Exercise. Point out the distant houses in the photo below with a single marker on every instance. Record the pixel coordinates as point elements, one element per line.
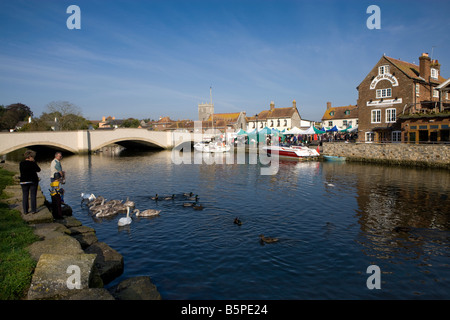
<point>342,117</point>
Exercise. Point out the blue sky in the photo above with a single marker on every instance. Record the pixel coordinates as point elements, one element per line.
<point>153,58</point>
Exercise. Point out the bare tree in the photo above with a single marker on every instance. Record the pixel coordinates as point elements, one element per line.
<point>66,115</point>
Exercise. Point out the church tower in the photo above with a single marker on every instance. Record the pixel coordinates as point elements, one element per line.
<point>206,110</point>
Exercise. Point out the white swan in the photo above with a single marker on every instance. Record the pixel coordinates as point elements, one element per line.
<point>124,221</point>
<point>147,213</point>
<point>87,197</point>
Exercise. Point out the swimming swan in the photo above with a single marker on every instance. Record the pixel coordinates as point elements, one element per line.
<point>147,213</point>
<point>129,203</point>
<point>124,221</point>
<point>87,197</point>
<point>106,212</point>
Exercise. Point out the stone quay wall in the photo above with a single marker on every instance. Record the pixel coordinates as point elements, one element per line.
<point>424,155</point>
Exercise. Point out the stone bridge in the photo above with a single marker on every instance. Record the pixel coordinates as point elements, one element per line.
<point>86,141</point>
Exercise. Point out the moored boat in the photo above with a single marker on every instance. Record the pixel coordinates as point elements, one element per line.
<point>334,158</point>
<point>292,152</point>
<point>211,147</point>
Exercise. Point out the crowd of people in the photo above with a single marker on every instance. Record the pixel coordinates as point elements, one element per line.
<point>29,182</point>
<point>296,140</point>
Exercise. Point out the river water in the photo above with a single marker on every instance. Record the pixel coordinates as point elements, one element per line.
<point>333,221</point>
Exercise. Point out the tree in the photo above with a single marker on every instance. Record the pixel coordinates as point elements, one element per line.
<point>12,114</point>
<point>36,124</point>
<point>131,123</point>
<point>66,116</point>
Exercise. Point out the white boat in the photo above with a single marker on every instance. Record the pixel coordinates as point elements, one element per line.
<point>292,152</point>
<point>209,147</point>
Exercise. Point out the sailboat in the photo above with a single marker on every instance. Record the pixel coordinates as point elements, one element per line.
<point>212,146</point>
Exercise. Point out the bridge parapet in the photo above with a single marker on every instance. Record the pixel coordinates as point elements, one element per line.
<point>84,141</point>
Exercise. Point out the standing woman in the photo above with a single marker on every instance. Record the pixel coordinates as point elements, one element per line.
<point>29,180</point>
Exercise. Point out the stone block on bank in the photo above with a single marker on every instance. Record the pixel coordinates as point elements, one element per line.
<point>57,275</point>
<point>85,235</point>
<point>50,230</point>
<point>108,262</point>
<point>61,245</point>
<point>91,294</point>
<point>43,215</point>
<point>137,288</point>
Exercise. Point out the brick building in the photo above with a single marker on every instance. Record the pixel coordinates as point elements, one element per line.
<point>395,88</point>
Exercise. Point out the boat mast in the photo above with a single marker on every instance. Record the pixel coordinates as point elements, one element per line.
<point>212,114</point>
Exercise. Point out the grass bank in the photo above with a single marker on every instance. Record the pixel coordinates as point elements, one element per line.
<point>16,264</point>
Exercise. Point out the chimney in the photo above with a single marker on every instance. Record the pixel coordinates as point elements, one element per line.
<point>294,104</point>
<point>272,105</point>
<point>424,66</point>
<point>328,105</point>
<point>436,65</point>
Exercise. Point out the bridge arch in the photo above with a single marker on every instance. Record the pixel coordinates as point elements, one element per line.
<point>130,141</point>
<point>53,145</point>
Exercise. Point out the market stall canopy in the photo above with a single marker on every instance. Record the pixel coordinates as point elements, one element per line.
<point>334,129</point>
<point>310,130</point>
<point>294,130</point>
<point>241,132</point>
<point>318,131</point>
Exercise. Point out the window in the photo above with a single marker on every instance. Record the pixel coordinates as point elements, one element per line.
<point>434,73</point>
<point>347,112</point>
<point>376,116</point>
<point>344,123</point>
<point>396,136</point>
<point>278,122</point>
<point>391,115</point>
<point>446,95</point>
<point>285,123</point>
<point>253,125</point>
<point>271,123</point>
<point>383,93</point>
<point>435,93</point>
<point>332,113</point>
<point>369,136</point>
<point>383,69</point>
<point>330,123</point>
<point>417,89</point>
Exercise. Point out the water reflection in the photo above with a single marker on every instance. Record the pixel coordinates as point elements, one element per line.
<point>333,221</point>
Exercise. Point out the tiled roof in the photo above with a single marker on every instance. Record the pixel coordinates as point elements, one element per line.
<point>228,117</point>
<point>275,113</point>
<point>411,70</point>
<point>339,113</point>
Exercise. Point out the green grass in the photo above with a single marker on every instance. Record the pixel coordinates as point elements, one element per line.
<point>16,264</point>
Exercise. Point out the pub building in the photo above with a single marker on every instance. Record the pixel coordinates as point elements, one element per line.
<point>399,101</point>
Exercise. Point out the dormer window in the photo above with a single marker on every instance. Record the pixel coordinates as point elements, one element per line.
<point>347,112</point>
<point>434,73</point>
<point>332,113</point>
<point>383,69</point>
